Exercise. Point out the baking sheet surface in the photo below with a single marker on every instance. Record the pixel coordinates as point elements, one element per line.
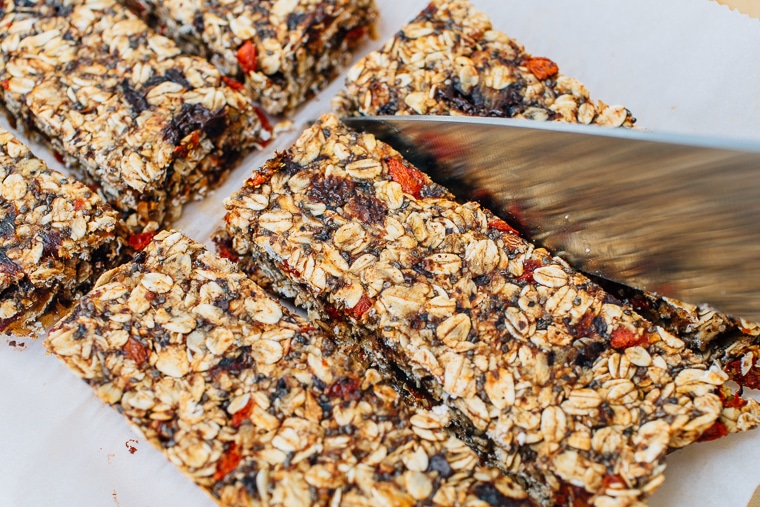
<point>686,66</point>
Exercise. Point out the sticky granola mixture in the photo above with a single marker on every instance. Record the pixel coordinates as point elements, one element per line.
<point>281,51</point>
<point>55,235</point>
<point>449,60</point>
<point>580,397</point>
<point>253,403</point>
<point>150,128</point>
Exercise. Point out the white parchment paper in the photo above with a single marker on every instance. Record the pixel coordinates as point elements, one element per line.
<point>686,66</point>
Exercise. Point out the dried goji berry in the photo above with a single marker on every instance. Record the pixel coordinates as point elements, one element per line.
<point>5,84</point>
<point>730,399</point>
<point>542,68</point>
<point>183,149</point>
<point>410,178</point>
<point>751,379</point>
<point>622,338</point>
<point>79,204</point>
<point>140,240</point>
<point>258,179</point>
<point>246,57</point>
<point>500,225</point>
<point>233,83</point>
<point>242,414</point>
<point>265,124</point>
<point>227,463</point>
<point>360,307</point>
<point>714,432</point>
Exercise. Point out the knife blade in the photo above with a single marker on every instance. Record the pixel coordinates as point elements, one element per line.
<point>674,215</point>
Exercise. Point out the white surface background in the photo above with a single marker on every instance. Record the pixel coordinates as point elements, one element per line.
<point>688,66</point>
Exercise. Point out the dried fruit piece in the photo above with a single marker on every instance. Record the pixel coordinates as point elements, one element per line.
<point>622,338</point>
<point>136,351</point>
<point>233,83</point>
<point>246,57</point>
<point>541,67</point>
<point>410,178</point>
<point>228,462</point>
<point>140,240</point>
<point>500,225</point>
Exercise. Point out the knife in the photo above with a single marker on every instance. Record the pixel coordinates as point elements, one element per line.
<point>675,215</point>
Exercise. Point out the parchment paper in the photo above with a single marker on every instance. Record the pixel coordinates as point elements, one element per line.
<point>687,66</point>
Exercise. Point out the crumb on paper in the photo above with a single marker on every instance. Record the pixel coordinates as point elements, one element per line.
<point>131,445</point>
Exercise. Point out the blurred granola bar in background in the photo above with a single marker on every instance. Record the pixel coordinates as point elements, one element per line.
<point>282,51</point>
<point>150,128</point>
<point>450,60</point>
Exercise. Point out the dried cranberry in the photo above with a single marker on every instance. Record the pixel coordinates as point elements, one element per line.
<point>194,117</point>
<point>345,388</point>
<point>224,249</point>
<point>51,242</point>
<point>355,35</point>
<point>529,266</point>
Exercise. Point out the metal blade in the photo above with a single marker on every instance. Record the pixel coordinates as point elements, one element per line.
<point>674,215</point>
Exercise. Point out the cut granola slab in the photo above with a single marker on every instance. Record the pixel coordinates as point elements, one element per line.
<point>283,51</point>
<point>253,403</point>
<point>55,235</point>
<point>581,397</point>
<point>450,60</point>
<point>150,128</point>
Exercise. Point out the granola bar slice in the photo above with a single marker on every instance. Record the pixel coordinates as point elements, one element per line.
<point>253,403</point>
<point>471,69</point>
<point>283,51</point>
<point>449,60</point>
<point>55,235</point>
<point>149,127</point>
<point>580,397</point>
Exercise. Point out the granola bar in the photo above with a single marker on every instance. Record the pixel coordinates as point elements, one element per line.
<point>55,234</point>
<point>283,51</point>
<point>580,397</point>
<point>449,60</point>
<point>253,403</point>
<point>149,127</point>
